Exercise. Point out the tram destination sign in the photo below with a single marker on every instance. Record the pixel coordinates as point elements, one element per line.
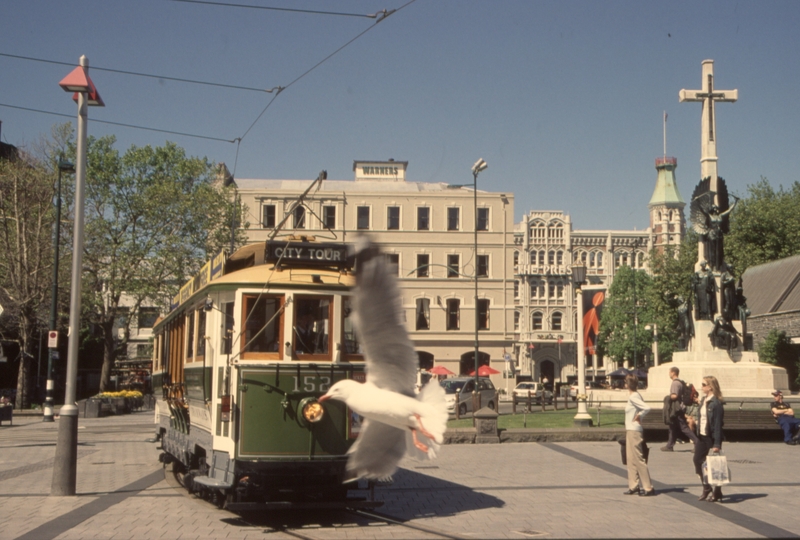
<point>307,254</point>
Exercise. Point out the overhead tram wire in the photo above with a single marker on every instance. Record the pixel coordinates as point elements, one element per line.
<point>311,11</point>
<point>94,120</point>
<point>137,74</point>
<point>384,14</point>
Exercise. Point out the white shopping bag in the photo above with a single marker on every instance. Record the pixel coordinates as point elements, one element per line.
<point>716,470</point>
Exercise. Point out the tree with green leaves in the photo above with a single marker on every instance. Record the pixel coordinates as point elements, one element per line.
<point>26,241</point>
<point>777,349</point>
<point>672,271</point>
<point>153,217</point>
<point>628,309</point>
<point>764,226</point>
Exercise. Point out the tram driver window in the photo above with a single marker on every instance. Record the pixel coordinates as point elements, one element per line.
<point>311,332</point>
<point>262,326</point>
<point>352,347</point>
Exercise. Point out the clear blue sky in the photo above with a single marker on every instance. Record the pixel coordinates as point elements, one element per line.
<point>564,99</point>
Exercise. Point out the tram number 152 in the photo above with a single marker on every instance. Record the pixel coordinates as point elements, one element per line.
<point>312,383</point>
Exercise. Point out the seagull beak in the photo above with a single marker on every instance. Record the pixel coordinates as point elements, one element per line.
<point>323,398</point>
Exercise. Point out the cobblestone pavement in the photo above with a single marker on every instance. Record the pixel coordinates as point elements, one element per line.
<point>526,490</point>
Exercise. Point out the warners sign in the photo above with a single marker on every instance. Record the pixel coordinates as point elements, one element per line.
<point>306,254</point>
<point>379,171</point>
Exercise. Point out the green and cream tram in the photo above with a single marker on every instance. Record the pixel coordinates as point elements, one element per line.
<point>247,348</point>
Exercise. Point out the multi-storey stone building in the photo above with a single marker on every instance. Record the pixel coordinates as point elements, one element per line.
<point>427,232</point>
<point>545,248</point>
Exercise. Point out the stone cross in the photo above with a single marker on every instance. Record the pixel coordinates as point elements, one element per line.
<point>707,96</point>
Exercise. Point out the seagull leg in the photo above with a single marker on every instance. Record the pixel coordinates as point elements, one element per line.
<point>423,447</point>
<point>422,428</point>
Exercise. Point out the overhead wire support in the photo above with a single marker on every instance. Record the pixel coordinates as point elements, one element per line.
<point>294,10</point>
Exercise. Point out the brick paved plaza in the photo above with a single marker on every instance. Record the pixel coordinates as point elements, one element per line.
<point>524,490</point>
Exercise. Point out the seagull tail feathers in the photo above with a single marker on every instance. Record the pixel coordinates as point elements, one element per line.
<point>435,421</point>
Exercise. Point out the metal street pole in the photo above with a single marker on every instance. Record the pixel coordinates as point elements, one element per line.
<point>64,468</point>
<point>582,418</point>
<point>478,167</point>
<point>63,166</point>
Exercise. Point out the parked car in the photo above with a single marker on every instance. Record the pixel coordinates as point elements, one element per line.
<point>590,385</point>
<point>458,392</point>
<point>535,390</point>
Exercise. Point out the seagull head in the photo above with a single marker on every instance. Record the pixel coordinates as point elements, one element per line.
<point>341,391</point>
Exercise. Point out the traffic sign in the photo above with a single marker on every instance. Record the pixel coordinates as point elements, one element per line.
<point>52,339</point>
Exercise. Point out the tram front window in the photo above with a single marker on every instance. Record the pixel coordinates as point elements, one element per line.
<point>312,326</point>
<point>262,326</point>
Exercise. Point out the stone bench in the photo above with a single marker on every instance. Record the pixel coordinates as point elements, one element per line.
<point>734,419</point>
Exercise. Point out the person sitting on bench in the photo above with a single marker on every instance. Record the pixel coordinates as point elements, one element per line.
<point>784,415</point>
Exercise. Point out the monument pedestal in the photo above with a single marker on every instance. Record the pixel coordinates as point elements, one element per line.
<point>739,373</point>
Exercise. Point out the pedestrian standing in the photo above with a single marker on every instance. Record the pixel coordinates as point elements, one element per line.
<point>635,409</point>
<point>709,433</point>
<point>677,415</point>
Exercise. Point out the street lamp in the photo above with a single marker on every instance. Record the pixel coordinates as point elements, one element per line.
<point>479,166</point>
<point>582,419</point>
<point>66,460</point>
<point>63,167</point>
<point>655,340</point>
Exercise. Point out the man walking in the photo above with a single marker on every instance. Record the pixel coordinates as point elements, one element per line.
<point>784,415</point>
<point>677,413</point>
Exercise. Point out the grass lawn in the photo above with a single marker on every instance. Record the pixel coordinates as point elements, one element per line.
<point>548,419</point>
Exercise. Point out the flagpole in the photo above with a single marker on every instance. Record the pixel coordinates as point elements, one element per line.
<point>665,134</point>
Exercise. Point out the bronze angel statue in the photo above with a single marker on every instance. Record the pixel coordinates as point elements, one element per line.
<point>710,218</point>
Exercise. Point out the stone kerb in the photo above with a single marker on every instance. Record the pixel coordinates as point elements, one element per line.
<point>486,426</point>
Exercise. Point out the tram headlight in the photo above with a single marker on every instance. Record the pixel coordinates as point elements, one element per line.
<point>311,410</point>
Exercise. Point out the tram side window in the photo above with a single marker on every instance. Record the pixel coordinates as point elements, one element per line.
<point>190,335</point>
<point>311,331</point>
<point>350,339</point>
<point>227,328</point>
<point>201,333</point>
<point>262,326</point>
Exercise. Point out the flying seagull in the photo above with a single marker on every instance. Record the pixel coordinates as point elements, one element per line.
<point>396,420</point>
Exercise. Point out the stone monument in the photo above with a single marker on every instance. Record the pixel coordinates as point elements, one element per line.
<point>715,343</point>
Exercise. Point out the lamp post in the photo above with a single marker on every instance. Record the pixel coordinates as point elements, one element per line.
<point>65,465</point>
<point>582,418</point>
<point>655,341</point>
<point>63,167</point>
<point>479,166</point>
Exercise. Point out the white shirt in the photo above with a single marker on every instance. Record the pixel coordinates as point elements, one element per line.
<point>635,405</point>
<point>703,417</point>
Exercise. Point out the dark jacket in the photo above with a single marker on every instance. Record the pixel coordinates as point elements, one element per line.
<point>672,408</point>
<point>716,415</point>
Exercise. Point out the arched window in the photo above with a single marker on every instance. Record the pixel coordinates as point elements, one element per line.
<point>559,258</point>
<point>599,259</point>
<point>551,257</point>
<point>534,288</point>
<point>560,290</point>
<point>551,293</point>
<point>591,260</point>
<point>557,320</point>
<point>536,320</point>
<point>516,258</point>
<point>541,257</point>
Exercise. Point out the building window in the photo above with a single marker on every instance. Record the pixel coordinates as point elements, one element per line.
<point>516,321</point>
<point>483,266</point>
<point>516,289</point>
<point>541,257</point>
<point>537,231</point>
<point>559,258</point>
<point>536,321</point>
<point>483,219</point>
<point>201,332</point>
<point>300,217</point>
<point>453,313</point>
<point>516,258</point>
<point>423,317</point>
<point>560,290</point>
<point>599,259</point>
<point>483,314</point>
<point>423,218</point>
<point>227,335</point>
<point>534,289</point>
<point>144,351</point>
<point>268,216</point>
<point>147,317</point>
<point>394,263</point>
<point>557,320</point>
<point>190,337</point>
<point>452,266</point>
<point>362,218</point>
<point>551,290</point>
<point>423,260</point>
<point>329,217</point>
<point>551,258</point>
<point>452,219</point>
<point>393,218</point>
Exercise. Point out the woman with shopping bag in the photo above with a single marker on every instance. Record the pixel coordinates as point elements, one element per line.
<point>709,431</point>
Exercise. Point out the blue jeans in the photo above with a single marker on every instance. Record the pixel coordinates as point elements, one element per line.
<point>790,425</point>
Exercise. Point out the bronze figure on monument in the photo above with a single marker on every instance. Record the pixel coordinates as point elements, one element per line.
<point>705,297</point>
<point>709,212</point>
